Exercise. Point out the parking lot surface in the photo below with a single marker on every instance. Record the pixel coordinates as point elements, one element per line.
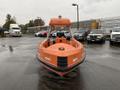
<point>19,69</point>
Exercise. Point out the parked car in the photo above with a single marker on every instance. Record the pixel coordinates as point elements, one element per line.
<point>54,34</point>
<point>115,36</point>
<point>41,34</point>
<point>66,34</point>
<point>2,32</point>
<point>96,36</point>
<point>81,35</point>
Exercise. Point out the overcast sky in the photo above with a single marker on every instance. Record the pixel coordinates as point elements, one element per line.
<point>24,10</point>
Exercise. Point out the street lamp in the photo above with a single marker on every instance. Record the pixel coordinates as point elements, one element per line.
<point>77,14</point>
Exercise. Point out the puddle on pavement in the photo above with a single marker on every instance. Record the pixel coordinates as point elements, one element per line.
<point>51,81</point>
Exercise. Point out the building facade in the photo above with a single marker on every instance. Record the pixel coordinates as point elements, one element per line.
<point>105,24</point>
<point>87,24</point>
<point>108,24</point>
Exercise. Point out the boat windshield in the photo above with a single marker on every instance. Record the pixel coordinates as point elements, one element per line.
<point>60,29</point>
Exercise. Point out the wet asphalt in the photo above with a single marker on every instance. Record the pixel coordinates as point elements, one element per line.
<point>20,70</point>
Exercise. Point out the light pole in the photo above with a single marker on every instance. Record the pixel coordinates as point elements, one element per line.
<point>77,14</point>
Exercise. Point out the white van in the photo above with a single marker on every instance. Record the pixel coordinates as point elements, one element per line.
<point>15,30</point>
<point>115,36</point>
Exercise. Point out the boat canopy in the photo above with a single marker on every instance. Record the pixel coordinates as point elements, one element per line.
<point>60,22</point>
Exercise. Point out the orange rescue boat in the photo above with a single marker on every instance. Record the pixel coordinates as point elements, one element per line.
<point>60,54</point>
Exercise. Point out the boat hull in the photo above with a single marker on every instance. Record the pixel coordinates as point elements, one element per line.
<point>60,71</point>
<point>61,58</point>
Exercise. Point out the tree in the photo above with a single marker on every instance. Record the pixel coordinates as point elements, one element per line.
<point>24,28</point>
<point>12,21</point>
<point>9,20</point>
<point>31,23</point>
<point>39,22</point>
<point>8,17</point>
